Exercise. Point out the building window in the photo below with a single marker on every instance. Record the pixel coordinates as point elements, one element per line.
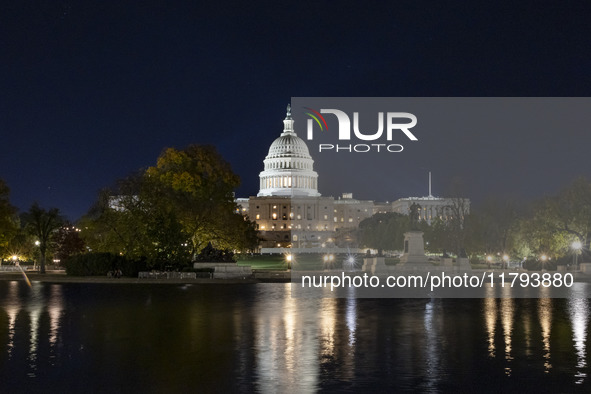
<point>258,216</point>
<point>325,217</point>
<point>274,216</point>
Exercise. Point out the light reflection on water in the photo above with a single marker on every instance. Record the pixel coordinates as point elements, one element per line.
<point>12,305</point>
<point>285,342</point>
<point>545,316</point>
<point>490,317</point>
<point>507,310</point>
<point>579,316</point>
<point>431,349</point>
<point>258,338</point>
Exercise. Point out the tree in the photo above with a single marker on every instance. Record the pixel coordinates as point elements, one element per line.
<point>457,209</point>
<point>559,220</point>
<point>436,235</point>
<point>68,242</point>
<point>116,223</point>
<point>383,231</point>
<point>171,211</point>
<point>127,221</point>
<point>9,225</point>
<point>42,224</point>
<point>197,185</point>
<point>492,228</point>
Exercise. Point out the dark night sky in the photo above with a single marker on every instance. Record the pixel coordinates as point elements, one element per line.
<point>91,92</point>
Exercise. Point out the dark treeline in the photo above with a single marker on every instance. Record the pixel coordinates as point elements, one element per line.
<point>557,226</point>
<point>160,217</point>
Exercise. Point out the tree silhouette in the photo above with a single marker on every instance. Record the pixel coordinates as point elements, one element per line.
<point>42,224</point>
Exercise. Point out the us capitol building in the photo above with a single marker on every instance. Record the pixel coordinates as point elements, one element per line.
<point>290,212</point>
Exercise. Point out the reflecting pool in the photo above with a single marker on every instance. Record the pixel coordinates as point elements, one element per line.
<point>255,338</point>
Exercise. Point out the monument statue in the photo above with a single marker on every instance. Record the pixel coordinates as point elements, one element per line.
<point>414,245</point>
<point>414,216</point>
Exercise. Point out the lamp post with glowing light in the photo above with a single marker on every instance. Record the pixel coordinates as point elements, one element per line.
<point>505,261</point>
<point>543,258</point>
<point>37,243</point>
<point>577,246</point>
<point>328,260</point>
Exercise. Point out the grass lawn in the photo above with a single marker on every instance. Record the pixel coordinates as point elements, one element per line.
<point>263,262</point>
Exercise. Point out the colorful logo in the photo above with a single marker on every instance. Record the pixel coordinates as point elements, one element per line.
<point>315,116</point>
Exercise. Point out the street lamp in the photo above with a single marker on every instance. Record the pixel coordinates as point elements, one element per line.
<point>506,261</point>
<point>37,243</point>
<point>577,246</point>
<point>543,259</point>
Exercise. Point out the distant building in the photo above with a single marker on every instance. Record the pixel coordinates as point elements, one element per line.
<point>432,208</point>
<point>120,202</point>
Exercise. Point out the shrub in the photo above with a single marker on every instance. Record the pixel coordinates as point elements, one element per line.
<point>99,264</point>
<point>537,265</point>
<point>213,255</point>
<point>191,269</point>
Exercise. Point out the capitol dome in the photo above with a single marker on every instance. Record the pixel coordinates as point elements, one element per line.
<point>288,166</point>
